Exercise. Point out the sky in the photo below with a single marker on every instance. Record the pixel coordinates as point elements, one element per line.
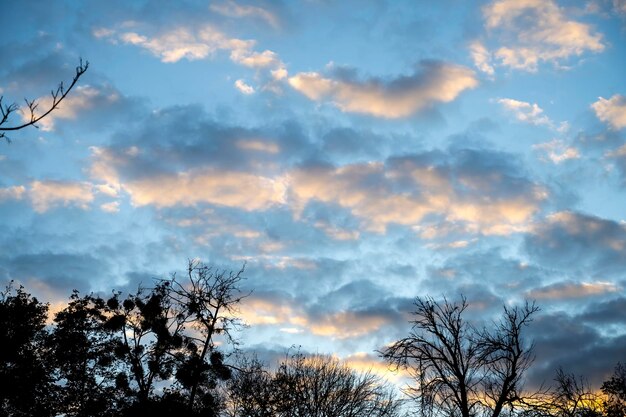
<point>352,154</point>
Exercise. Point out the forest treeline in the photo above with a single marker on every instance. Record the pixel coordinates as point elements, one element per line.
<point>167,350</point>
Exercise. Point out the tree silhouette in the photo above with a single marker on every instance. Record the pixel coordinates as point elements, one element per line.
<point>461,370</point>
<point>207,302</point>
<point>315,386</point>
<point>251,391</point>
<point>82,350</point>
<point>31,116</point>
<point>27,388</point>
<point>615,389</point>
<point>148,340</point>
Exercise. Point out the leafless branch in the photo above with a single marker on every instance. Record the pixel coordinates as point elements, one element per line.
<point>33,118</point>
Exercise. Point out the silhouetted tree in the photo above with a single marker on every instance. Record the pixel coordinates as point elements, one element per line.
<point>569,396</point>
<point>615,389</point>
<point>148,341</point>
<point>82,353</point>
<point>27,388</point>
<point>461,370</point>
<point>315,386</point>
<point>206,302</point>
<point>251,391</point>
<point>320,386</point>
<point>31,116</point>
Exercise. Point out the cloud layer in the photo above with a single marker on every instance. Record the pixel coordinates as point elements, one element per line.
<point>431,83</point>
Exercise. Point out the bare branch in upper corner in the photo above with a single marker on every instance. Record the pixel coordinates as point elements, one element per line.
<point>58,95</point>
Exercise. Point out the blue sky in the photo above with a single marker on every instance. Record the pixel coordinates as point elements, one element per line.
<point>353,154</point>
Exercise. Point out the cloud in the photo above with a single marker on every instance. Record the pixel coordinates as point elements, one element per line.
<point>619,156</point>
<point>45,195</point>
<point>177,44</point>
<point>535,31</point>
<point>12,193</point>
<point>112,207</point>
<point>573,290</point>
<point>230,8</point>
<point>611,111</point>
<point>258,145</point>
<point>526,112</point>
<point>407,190</point>
<point>54,275</point>
<point>282,311</point>
<point>81,99</point>
<point>183,42</point>
<point>554,335</point>
<point>231,189</point>
<point>348,324</point>
<point>366,362</point>
<point>611,312</point>
<point>432,82</point>
<point>243,87</point>
<point>587,244</point>
<point>557,151</point>
<point>481,57</point>
<point>271,309</point>
<point>503,274</point>
<point>476,191</point>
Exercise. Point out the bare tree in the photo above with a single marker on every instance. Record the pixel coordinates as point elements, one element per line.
<point>32,116</point>
<point>320,386</point>
<point>461,370</point>
<point>251,392</point>
<point>569,396</point>
<point>315,386</point>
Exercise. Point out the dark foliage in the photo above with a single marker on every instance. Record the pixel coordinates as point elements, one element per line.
<point>615,389</point>
<point>27,382</point>
<point>81,351</point>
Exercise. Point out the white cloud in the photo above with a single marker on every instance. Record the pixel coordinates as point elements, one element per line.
<point>258,310</point>
<point>482,57</point>
<point>231,9</point>
<point>191,44</point>
<point>407,192</point>
<point>611,111</point>
<point>243,87</point>
<point>112,207</point>
<point>557,151</point>
<point>279,74</point>
<point>226,188</point>
<point>535,31</point>
<point>400,97</point>
<point>380,205</point>
<point>530,113</point>
<point>172,46</point>
<point>45,195</point>
<point>252,59</point>
<point>12,193</point>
